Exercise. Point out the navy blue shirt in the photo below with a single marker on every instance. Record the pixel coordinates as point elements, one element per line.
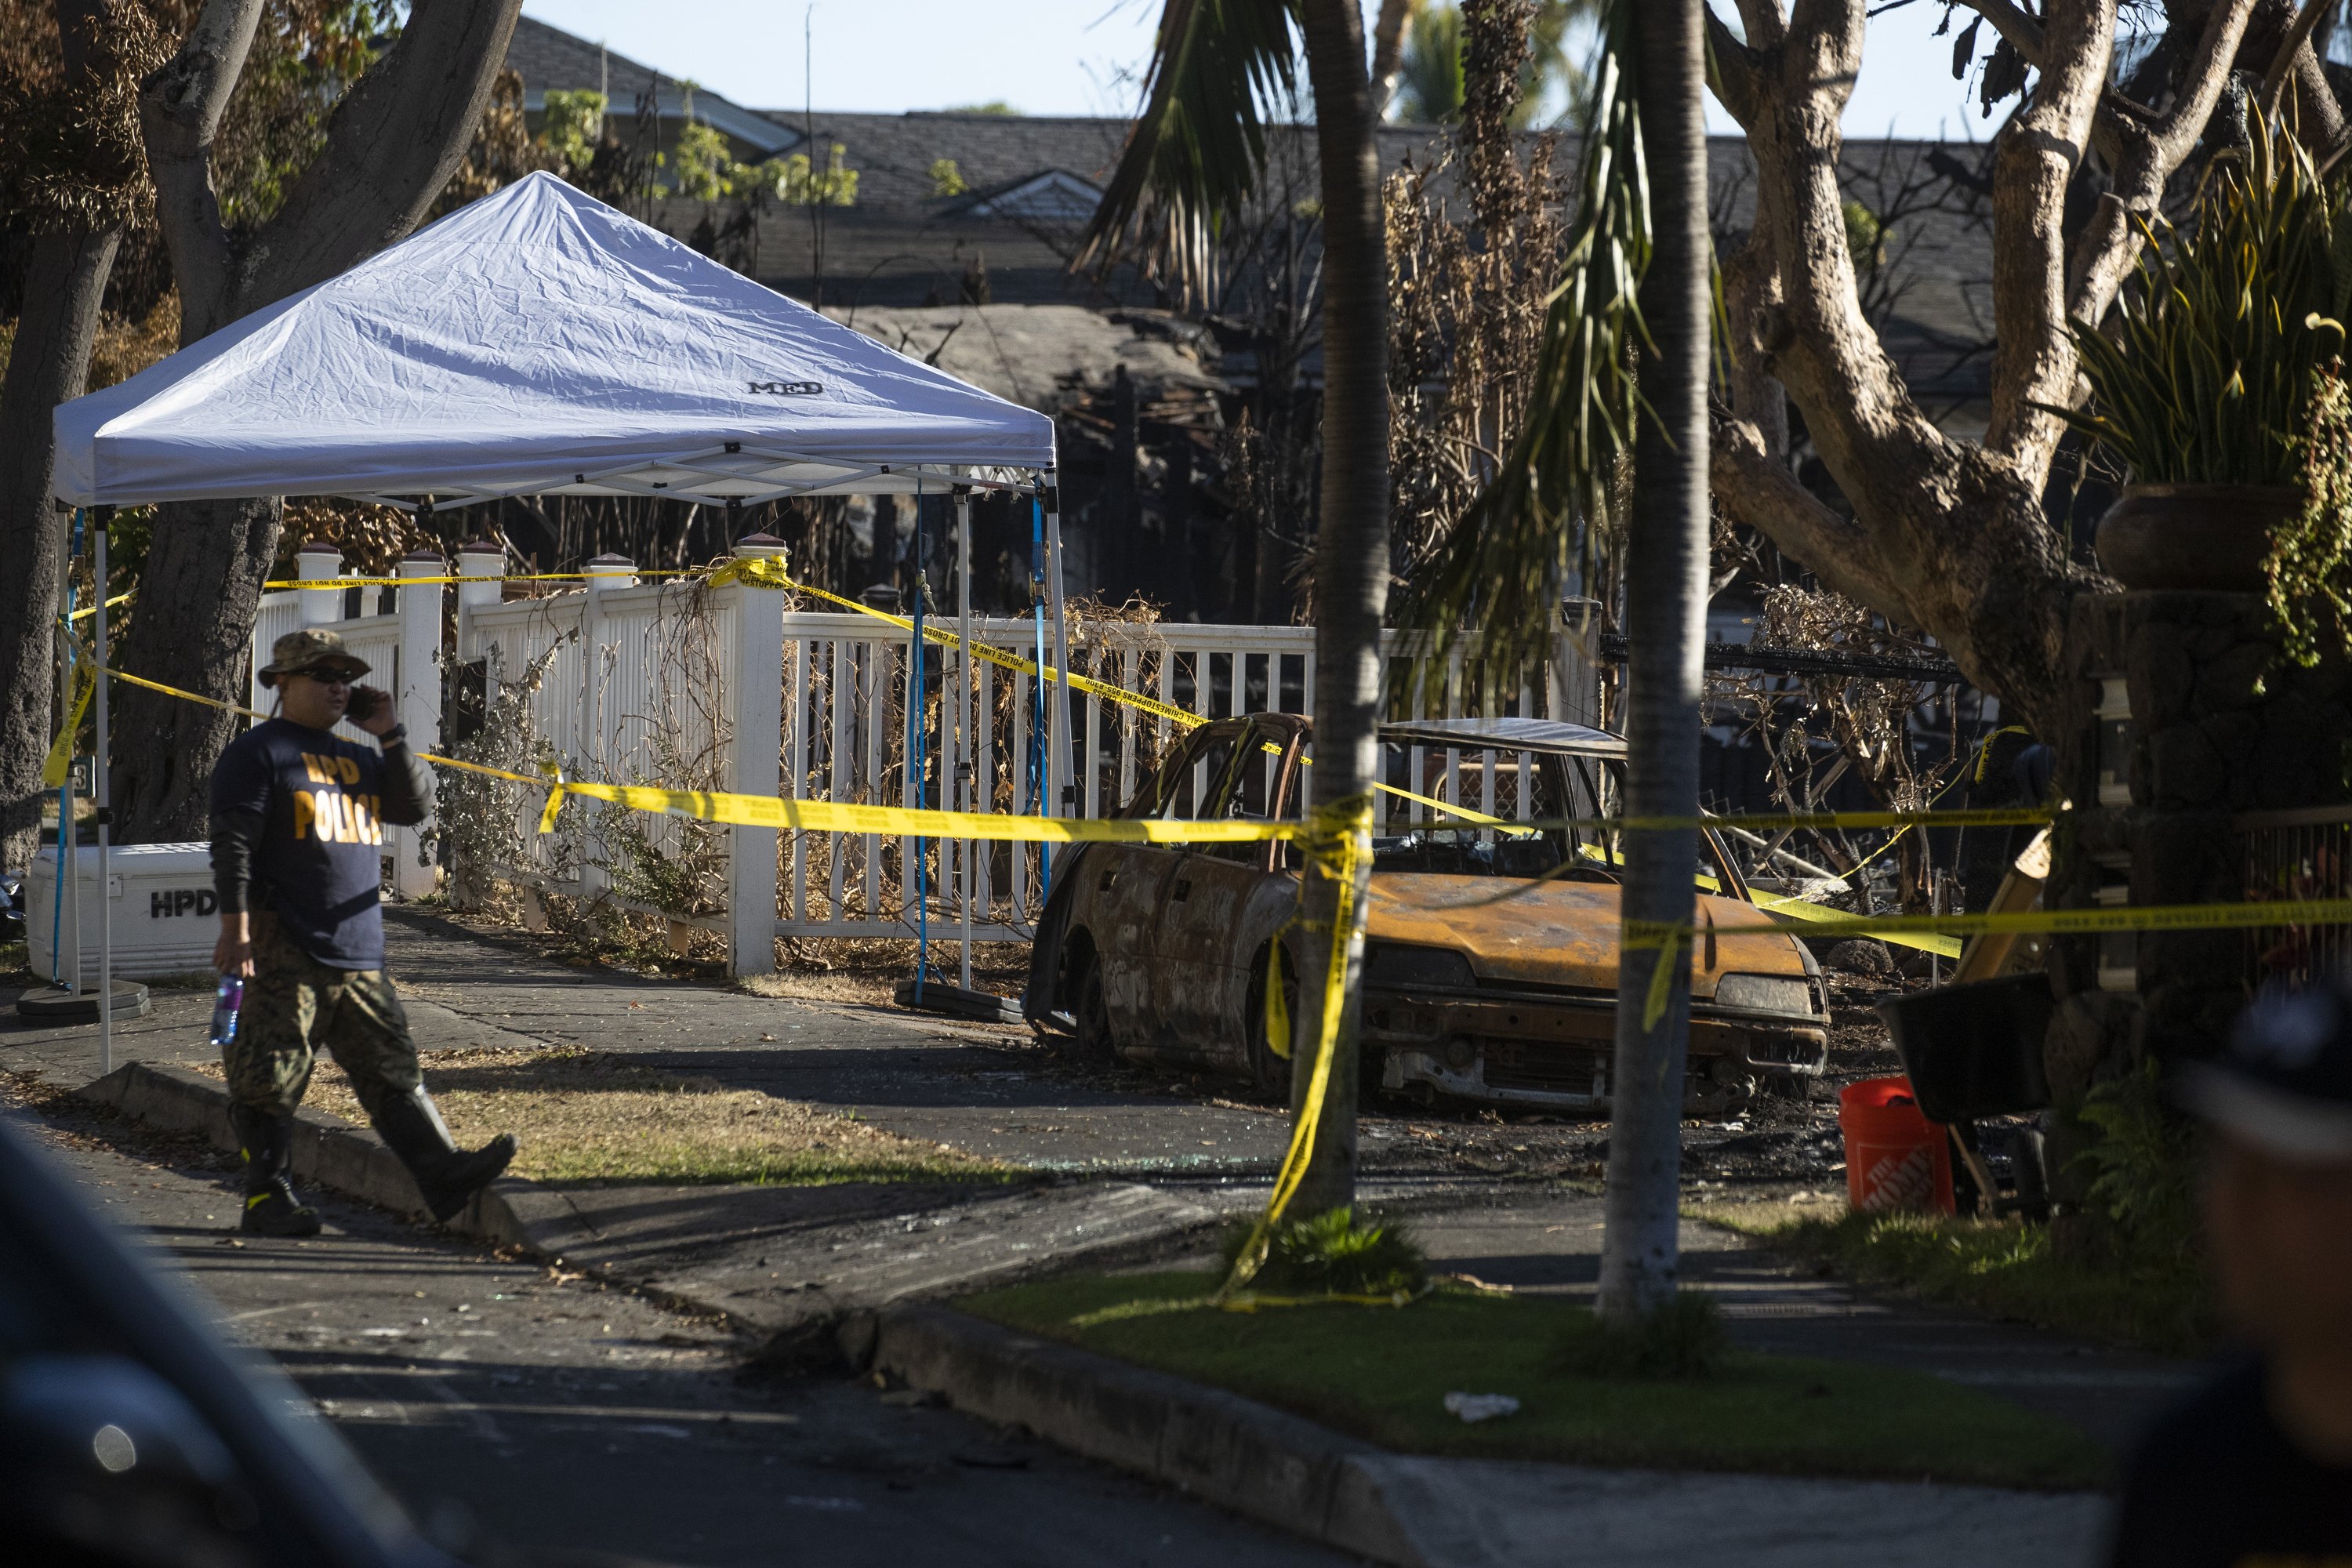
<point>2217,1484</point>
<point>316,864</point>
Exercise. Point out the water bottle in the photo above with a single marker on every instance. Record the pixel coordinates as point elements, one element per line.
<point>227,1002</point>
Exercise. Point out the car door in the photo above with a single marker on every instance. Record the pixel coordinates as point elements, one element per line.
<point>1128,883</point>
<point>1198,961</point>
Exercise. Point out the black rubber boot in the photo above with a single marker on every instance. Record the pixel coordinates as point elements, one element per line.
<point>446,1175</point>
<point>270,1207</point>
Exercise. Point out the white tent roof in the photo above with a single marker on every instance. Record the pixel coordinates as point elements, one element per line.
<point>536,342</point>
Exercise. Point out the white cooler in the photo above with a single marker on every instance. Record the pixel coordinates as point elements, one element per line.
<point>165,917</point>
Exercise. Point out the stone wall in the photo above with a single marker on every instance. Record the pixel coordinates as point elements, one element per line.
<point>2219,723</point>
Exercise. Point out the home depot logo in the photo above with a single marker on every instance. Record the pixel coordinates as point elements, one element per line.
<point>1904,1178</point>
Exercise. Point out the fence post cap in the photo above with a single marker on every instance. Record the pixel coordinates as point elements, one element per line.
<point>483,547</point>
<point>613,564</point>
<point>759,544</point>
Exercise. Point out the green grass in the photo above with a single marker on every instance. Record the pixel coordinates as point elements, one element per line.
<point>1999,1268</point>
<point>1383,1372</point>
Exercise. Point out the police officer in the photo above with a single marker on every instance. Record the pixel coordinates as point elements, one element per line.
<point>298,820</point>
<point>2256,1467</point>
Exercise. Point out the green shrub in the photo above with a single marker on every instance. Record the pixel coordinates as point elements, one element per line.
<point>1683,1340</point>
<point>1331,1254</point>
<point>2144,1169</point>
<point>2309,568</point>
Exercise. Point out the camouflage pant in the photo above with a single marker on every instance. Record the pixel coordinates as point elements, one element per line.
<point>293,1004</point>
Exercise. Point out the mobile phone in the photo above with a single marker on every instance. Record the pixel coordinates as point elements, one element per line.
<point>363,704</point>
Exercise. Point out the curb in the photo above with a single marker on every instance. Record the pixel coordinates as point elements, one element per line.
<point>1250,1458</point>
<point>517,1212</point>
<point>1234,1453</point>
<point>332,1152</point>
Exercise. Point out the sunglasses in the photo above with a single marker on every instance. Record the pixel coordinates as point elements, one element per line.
<point>328,678</point>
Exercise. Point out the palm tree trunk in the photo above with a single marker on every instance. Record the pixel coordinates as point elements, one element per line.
<point>1666,605</point>
<point>1351,579</point>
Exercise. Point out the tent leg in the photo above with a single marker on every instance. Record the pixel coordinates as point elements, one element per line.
<point>99,770</point>
<point>69,837</point>
<point>1057,773</point>
<point>965,699</point>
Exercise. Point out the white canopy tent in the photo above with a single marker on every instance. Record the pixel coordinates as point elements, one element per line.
<point>538,342</point>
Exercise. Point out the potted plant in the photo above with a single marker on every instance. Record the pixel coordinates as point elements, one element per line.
<point>2201,383</point>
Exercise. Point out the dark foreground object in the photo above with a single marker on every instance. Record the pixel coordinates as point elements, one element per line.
<point>127,1432</point>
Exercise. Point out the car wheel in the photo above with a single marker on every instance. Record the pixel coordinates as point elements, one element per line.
<point>1090,1041</point>
<point>1270,1074</point>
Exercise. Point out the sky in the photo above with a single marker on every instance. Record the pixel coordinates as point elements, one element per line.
<point>1081,57</point>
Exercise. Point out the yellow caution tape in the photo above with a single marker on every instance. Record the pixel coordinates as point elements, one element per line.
<point>1341,848</point>
<point>2093,922</point>
<point>1663,937</point>
<point>794,815</point>
<point>1340,839</point>
<point>1810,913</point>
<point>85,614</point>
<point>61,758</point>
<point>765,573</point>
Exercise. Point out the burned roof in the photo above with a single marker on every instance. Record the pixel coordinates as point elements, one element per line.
<point>549,57</point>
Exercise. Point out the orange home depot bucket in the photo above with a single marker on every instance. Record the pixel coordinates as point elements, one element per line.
<point>1894,1157</point>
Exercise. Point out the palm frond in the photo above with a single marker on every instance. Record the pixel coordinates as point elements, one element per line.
<point>1220,70</point>
<point>1501,567</point>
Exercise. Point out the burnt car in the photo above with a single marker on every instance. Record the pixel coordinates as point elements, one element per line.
<point>1474,988</point>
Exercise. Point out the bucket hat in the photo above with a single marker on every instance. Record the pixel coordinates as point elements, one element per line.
<point>298,653</point>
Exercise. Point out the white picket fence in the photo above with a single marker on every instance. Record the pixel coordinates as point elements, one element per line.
<point>636,682</point>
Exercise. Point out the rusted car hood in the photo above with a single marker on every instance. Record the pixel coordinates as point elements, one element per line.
<point>1563,933</point>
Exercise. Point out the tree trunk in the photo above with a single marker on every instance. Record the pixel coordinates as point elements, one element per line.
<point>208,557</point>
<point>63,287</point>
<point>1665,606</point>
<point>394,142</point>
<point>1351,552</point>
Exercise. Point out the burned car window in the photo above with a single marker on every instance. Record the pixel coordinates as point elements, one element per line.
<point>1199,783</point>
<point>1511,784</point>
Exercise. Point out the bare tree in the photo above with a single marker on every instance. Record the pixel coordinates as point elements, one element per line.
<point>392,145</point>
<point>1945,533</point>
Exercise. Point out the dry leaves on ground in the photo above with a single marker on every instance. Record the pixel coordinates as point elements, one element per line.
<point>586,1117</point>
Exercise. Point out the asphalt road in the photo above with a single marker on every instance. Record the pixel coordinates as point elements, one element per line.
<point>520,1411</point>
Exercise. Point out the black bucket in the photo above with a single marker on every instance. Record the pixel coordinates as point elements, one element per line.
<point>1974,1050</point>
